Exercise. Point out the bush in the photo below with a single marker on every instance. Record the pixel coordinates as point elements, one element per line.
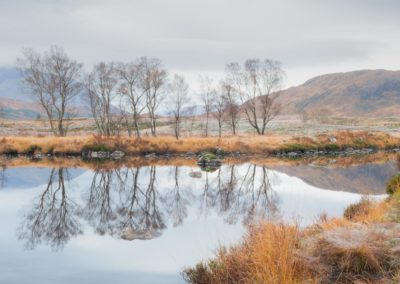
<point>393,185</point>
<point>298,148</point>
<point>32,149</point>
<point>361,208</point>
<point>96,148</point>
<point>10,151</point>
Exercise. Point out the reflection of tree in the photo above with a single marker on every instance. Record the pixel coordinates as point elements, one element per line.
<point>53,218</point>
<point>126,203</point>
<point>250,197</point>
<point>99,209</point>
<point>114,204</point>
<point>2,176</point>
<point>177,201</point>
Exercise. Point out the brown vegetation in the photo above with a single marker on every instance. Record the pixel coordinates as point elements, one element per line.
<point>75,145</point>
<point>362,248</point>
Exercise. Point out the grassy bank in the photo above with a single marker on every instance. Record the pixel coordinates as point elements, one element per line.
<point>361,247</point>
<point>75,145</point>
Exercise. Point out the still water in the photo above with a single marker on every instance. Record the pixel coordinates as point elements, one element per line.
<point>145,224</point>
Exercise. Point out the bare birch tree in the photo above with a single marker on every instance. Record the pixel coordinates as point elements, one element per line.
<point>101,85</point>
<point>232,109</point>
<point>218,108</point>
<point>206,92</point>
<point>179,92</point>
<point>257,83</point>
<point>54,80</point>
<point>132,89</point>
<point>153,79</point>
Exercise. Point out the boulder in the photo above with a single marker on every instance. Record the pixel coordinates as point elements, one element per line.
<point>117,154</point>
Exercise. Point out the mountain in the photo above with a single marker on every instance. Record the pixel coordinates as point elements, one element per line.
<point>16,104</point>
<point>358,93</point>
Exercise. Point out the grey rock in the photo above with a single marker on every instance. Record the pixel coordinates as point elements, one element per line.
<point>117,154</point>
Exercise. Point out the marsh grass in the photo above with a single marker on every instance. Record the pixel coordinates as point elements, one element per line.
<point>249,144</point>
<point>364,247</point>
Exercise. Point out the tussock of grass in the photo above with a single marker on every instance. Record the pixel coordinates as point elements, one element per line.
<point>265,256</point>
<point>362,248</point>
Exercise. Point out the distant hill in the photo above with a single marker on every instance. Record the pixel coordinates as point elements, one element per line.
<point>18,109</point>
<point>358,93</point>
<point>15,104</point>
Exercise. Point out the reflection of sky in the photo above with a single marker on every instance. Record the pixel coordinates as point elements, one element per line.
<point>91,258</point>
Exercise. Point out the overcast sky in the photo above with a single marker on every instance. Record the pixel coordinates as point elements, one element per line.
<point>309,37</point>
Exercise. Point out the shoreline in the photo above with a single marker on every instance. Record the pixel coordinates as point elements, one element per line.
<point>332,144</point>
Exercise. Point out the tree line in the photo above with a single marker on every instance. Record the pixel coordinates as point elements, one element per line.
<point>122,96</point>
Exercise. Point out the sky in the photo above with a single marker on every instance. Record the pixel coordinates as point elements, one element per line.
<point>309,37</point>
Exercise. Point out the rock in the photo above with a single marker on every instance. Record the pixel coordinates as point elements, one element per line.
<point>99,155</point>
<point>292,154</point>
<point>117,154</point>
<point>208,159</point>
<point>195,174</point>
<point>38,156</point>
<point>219,152</point>
<point>151,155</point>
<point>332,139</point>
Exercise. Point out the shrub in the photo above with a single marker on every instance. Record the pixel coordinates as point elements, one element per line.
<point>98,147</point>
<point>361,208</point>
<point>393,185</point>
<point>32,149</point>
<point>10,151</point>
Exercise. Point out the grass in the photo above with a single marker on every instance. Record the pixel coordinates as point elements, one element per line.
<point>75,145</point>
<point>362,247</point>
<point>265,256</point>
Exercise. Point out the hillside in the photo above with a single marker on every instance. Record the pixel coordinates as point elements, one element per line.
<point>358,93</point>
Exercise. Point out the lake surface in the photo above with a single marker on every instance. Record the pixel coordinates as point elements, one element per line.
<point>145,224</point>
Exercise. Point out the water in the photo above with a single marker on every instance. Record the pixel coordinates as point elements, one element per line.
<point>145,224</point>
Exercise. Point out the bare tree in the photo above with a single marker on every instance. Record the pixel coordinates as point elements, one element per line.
<point>100,87</point>
<point>179,91</point>
<point>153,80</point>
<point>218,107</point>
<point>207,92</point>
<point>54,79</point>
<point>257,84</point>
<point>133,90</point>
<point>232,109</point>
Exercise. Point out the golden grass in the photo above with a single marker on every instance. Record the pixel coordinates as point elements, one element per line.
<point>265,256</point>
<point>364,249</point>
<point>168,144</point>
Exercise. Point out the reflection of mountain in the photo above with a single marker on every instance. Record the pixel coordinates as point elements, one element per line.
<point>367,178</point>
<point>28,177</point>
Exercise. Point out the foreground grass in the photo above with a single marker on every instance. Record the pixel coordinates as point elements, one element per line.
<point>75,145</point>
<point>361,247</point>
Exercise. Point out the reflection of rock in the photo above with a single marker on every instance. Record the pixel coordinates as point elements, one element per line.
<point>104,155</point>
<point>131,234</point>
<point>195,174</point>
<point>117,155</point>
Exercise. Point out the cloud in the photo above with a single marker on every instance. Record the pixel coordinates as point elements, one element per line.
<point>203,36</point>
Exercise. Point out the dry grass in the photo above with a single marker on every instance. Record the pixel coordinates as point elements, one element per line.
<point>266,256</point>
<point>168,144</point>
<point>365,249</point>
